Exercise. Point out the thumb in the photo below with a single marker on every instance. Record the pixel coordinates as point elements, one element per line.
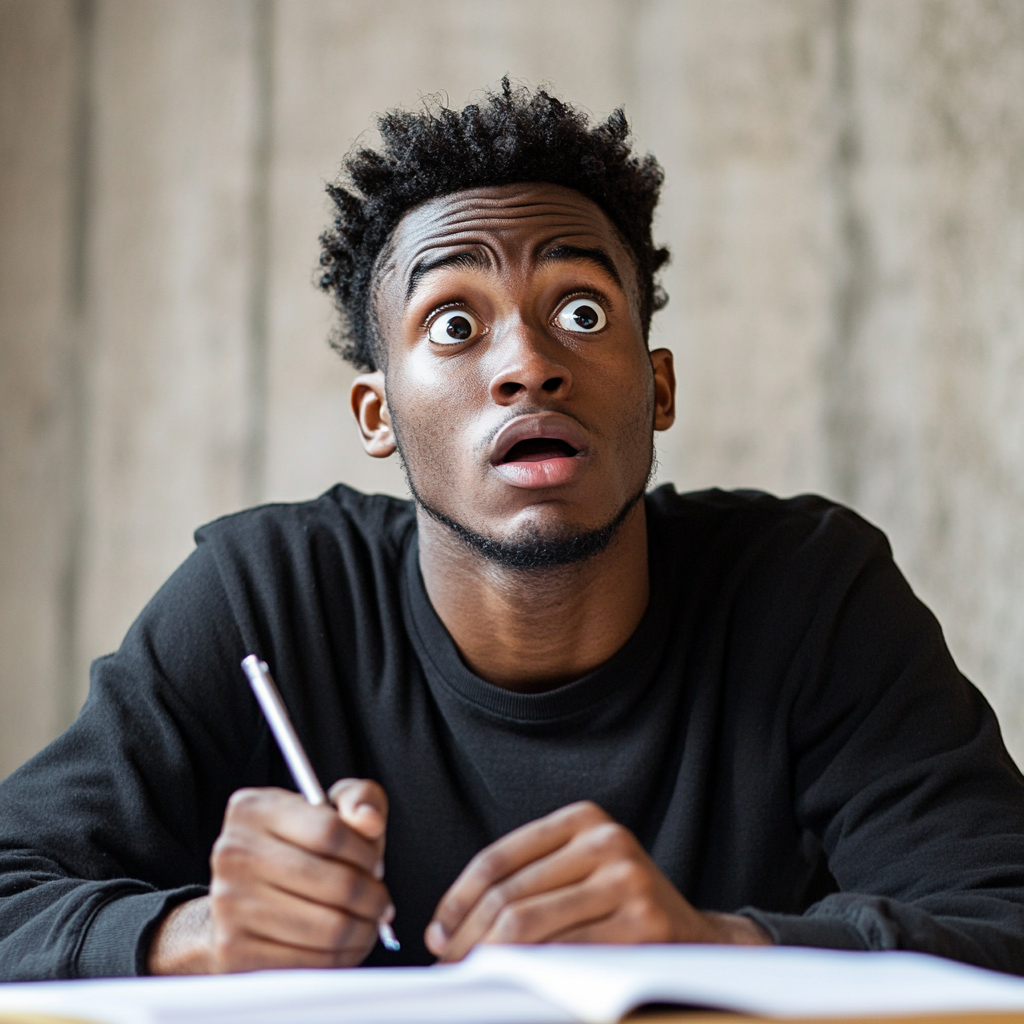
<point>363,806</point>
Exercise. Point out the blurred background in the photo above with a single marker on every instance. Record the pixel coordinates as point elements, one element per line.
<point>844,202</point>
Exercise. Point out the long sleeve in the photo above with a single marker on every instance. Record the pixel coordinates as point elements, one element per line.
<point>112,824</point>
<point>901,774</point>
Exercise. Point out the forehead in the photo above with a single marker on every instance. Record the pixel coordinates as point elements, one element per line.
<point>511,222</point>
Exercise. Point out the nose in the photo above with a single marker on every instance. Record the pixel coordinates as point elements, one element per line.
<point>531,365</point>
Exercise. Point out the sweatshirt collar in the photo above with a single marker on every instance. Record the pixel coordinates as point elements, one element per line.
<point>620,679</point>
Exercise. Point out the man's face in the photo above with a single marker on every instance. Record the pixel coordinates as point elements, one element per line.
<point>518,382</point>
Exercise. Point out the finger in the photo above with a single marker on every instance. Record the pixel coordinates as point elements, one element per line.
<point>363,806</point>
<point>626,925</point>
<point>287,816</point>
<point>506,856</point>
<point>568,865</point>
<point>319,879</point>
<point>255,953</point>
<point>245,857</point>
<point>648,908</point>
<point>538,918</point>
<point>277,916</point>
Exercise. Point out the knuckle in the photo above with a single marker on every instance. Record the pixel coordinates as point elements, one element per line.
<point>610,838</point>
<point>244,802</point>
<point>490,865</point>
<point>620,874</point>
<point>513,924</point>
<point>586,812</point>
<point>230,857</point>
<point>645,919</point>
<point>494,901</point>
<point>629,876</point>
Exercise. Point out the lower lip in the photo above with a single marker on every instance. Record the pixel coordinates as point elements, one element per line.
<point>545,473</point>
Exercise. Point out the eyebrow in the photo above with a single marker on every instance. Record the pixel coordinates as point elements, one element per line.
<point>472,258</point>
<point>573,253</point>
<point>467,258</point>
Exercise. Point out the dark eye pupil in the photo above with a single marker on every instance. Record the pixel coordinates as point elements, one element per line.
<point>585,316</point>
<point>459,328</point>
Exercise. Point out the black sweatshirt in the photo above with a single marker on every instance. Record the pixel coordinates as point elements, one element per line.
<point>785,733</point>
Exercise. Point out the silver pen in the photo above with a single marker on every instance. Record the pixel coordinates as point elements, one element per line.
<point>294,756</point>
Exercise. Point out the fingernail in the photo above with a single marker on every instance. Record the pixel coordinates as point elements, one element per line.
<point>389,915</point>
<point>437,937</point>
<point>378,870</point>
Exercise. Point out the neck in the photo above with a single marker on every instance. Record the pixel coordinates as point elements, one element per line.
<point>530,631</point>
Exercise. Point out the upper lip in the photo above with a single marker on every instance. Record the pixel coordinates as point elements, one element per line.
<point>546,424</point>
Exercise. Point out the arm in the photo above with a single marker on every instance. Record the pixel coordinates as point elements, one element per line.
<point>110,827</point>
<point>100,835</point>
<point>900,771</point>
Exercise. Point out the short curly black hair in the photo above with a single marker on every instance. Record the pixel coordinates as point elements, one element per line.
<point>511,136</point>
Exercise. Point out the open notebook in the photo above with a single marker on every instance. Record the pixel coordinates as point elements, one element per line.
<point>540,985</point>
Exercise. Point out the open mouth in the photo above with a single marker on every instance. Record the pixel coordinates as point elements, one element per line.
<point>539,449</point>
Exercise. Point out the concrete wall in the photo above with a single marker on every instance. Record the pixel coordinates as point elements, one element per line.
<point>845,203</point>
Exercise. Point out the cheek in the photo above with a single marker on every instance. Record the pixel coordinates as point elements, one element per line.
<point>626,417</point>
<point>431,385</point>
<point>431,411</point>
<point>623,386</point>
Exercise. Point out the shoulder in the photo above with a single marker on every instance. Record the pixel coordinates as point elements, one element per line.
<point>762,524</point>
<point>798,557</point>
<point>342,516</point>
<point>338,546</point>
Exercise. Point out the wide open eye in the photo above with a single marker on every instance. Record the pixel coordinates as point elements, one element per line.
<point>453,327</point>
<point>584,316</point>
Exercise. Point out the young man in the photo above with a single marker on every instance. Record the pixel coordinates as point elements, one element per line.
<point>560,709</point>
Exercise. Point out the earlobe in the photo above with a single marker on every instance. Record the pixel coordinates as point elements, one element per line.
<point>664,389</point>
<point>370,408</point>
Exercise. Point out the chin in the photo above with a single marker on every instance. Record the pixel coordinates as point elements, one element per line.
<point>544,542</point>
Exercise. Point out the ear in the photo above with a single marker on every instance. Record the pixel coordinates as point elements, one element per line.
<point>370,407</point>
<point>664,389</point>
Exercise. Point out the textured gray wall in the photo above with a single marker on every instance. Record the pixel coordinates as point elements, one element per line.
<point>845,202</point>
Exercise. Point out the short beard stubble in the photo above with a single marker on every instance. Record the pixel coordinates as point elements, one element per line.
<point>532,552</point>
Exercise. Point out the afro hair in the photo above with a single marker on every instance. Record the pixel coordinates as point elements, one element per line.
<point>514,135</point>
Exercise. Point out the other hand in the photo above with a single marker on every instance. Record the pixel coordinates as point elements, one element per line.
<point>292,886</point>
<point>573,876</point>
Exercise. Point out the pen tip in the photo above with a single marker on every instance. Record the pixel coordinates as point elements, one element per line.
<point>388,939</point>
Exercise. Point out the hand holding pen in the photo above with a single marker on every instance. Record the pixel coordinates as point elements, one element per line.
<point>360,816</point>
<point>292,885</point>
